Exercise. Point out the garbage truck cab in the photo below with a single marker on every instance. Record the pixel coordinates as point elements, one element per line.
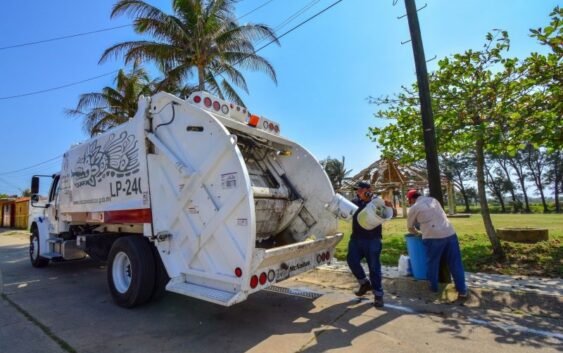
<point>195,196</point>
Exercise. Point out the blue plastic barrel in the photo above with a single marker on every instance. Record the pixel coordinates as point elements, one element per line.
<point>417,255</point>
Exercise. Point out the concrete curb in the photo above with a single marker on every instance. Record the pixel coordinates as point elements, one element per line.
<point>484,298</point>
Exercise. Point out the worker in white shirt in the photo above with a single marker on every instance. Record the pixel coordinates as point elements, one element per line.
<point>439,239</point>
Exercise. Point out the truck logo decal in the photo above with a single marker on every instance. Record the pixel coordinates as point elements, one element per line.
<point>118,157</point>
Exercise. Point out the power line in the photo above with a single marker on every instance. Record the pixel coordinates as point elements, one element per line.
<point>10,184</point>
<point>63,37</point>
<point>102,30</point>
<point>32,166</point>
<point>58,87</point>
<point>299,25</point>
<point>277,38</point>
<point>82,34</point>
<point>256,9</point>
<point>113,72</point>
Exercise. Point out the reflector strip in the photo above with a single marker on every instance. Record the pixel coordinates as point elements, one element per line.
<point>142,215</point>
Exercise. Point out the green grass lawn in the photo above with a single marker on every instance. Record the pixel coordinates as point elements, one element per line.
<point>540,259</point>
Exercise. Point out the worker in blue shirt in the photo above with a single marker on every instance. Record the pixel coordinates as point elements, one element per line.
<point>366,244</point>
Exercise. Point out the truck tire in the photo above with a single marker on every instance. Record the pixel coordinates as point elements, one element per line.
<point>36,259</point>
<point>131,271</point>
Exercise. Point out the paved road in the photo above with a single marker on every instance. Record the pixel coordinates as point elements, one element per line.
<point>66,307</point>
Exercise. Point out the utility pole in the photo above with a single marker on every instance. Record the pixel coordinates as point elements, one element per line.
<point>425,103</point>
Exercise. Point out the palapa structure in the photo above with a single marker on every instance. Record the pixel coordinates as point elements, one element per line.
<point>392,180</point>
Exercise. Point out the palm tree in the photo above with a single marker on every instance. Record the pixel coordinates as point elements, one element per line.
<point>112,106</point>
<point>336,171</point>
<point>200,39</point>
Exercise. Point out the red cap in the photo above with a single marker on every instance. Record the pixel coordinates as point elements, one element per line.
<point>412,193</point>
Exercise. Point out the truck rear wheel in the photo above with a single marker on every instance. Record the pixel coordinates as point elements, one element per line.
<point>131,271</point>
<point>36,259</point>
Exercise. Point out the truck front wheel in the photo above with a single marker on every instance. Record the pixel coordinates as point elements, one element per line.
<point>36,259</point>
<point>131,271</point>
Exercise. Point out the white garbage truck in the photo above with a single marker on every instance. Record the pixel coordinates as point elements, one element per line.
<point>196,196</point>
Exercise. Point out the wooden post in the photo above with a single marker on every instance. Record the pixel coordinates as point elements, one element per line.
<point>451,198</point>
<point>404,199</point>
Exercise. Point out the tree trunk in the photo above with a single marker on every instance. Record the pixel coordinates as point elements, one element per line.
<point>504,168</point>
<point>495,189</point>
<point>522,181</point>
<point>534,163</point>
<point>485,214</point>
<point>557,171</point>
<point>544,203</point>
<point>466,201</point>
<point>461,188</point>
<point>201,78</point>
<point>465,197</point>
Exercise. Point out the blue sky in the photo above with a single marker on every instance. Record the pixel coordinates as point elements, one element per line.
<point>325,69</point>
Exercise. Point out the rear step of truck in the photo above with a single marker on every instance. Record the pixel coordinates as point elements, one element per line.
<point>268,258</point>
<point>216,296</point>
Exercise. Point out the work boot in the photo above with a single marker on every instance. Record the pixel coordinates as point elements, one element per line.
<point>462,298</point>
<point>378,301</point>
<point>364,288</point>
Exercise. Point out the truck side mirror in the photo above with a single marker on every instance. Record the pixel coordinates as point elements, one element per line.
<point>35,185</point>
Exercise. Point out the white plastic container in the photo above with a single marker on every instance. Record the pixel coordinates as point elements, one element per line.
<point>374,214</point>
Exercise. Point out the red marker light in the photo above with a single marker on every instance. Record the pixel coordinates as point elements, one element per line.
<point>238,272</point>
<point>263,278</point>
<point>207,102</point>
<point>216,105</point>
<point>197,99</point>
<point>253,281</point>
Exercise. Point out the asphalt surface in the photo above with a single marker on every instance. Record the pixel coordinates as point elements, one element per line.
<point>66,307</point>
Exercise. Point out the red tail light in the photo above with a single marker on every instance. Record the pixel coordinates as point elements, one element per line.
<point>197,99</point>
<point>253,281</point>
<point>238,272</point>
<point>207,102</point>
<point>263,278</point>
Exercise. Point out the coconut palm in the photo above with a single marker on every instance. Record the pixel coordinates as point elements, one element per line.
<point>200,39</point>
<point>336,171</point>
<point>112,106</point>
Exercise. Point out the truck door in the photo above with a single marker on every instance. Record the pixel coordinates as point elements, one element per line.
<point>52,211</point>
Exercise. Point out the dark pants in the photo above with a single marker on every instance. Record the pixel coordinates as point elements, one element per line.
<point>449,249</point>
<point>370,249</point>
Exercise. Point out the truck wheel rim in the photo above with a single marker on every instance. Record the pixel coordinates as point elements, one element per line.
<point>34,248</point>
<point>121,272</point>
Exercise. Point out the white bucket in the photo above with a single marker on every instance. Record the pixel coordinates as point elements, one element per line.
<point>341,207</point>
<point>374,214</point>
